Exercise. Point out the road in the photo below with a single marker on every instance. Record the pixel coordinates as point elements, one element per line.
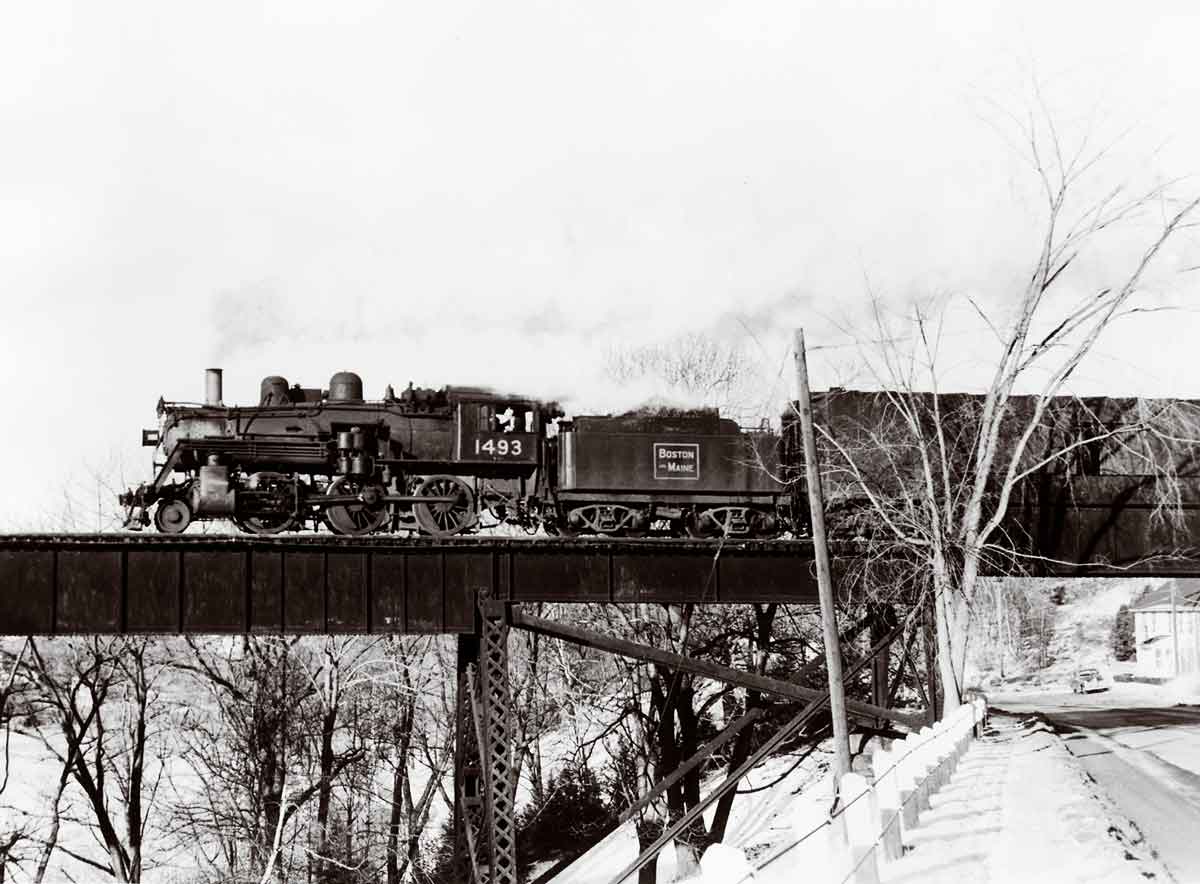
<point>1144,755</point>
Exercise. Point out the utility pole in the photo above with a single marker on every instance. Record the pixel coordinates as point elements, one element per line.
<point>816,505</point>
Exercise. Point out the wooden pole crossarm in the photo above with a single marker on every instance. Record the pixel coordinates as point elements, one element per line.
<point>778,687</point>
<point>702,754</point>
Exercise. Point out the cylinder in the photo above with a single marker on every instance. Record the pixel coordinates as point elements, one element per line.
<point>345,386</point>
<point>212,387</point>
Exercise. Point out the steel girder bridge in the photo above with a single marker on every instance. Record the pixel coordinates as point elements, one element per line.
<point>475,588</point>
<point>478,588</point>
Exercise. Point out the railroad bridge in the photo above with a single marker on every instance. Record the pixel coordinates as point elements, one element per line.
<point>476,588</point>
<point>155,583</point>
<point>469,586</point>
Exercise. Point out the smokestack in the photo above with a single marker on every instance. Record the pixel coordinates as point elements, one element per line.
<point>212,386</point>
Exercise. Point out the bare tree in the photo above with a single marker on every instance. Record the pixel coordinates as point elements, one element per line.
<point>10,837</point>
<point>296,739</point>
<point>692,367</point>
<point>935,475</point>
<point>411,708</point>
<point>242,741</point>
<point>103,697</point>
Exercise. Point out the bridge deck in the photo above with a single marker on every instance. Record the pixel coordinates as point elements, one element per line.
<point>153,583</point>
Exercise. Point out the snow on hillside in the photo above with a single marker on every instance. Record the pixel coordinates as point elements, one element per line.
<point>1049,627</point>
<point>1083,624</point>
<point>769,800</point>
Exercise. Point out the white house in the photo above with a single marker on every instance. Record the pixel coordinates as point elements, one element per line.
<point>1166,628</point>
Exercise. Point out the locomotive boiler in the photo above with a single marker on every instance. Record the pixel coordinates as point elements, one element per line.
<point>452,460</point>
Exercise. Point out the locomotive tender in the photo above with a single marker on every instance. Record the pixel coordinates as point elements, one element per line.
<point>443,462</point>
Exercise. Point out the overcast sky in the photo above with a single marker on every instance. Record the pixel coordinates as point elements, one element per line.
<point>499,192</point>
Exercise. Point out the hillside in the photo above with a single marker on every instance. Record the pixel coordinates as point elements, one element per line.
<point>1047,628</point>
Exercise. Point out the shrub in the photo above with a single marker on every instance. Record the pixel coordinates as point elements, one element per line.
<point>573,816</point>
<point>1123,642</point>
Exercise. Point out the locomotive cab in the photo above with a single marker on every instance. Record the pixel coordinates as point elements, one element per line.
<point>494,431</point>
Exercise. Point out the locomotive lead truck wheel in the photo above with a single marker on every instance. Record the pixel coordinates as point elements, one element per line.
<point>446,517</point>
<point>355,519</point>
<point>172,516</point>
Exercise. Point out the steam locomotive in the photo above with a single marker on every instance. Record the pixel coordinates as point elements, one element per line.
<point>453,460</point>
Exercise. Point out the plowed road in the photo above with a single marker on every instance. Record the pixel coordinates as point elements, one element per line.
<point>1145,758</point>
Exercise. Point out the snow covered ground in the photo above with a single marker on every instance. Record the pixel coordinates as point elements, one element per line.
<point>1173,736</point>
<point>760,819</point>
<point>1020,809</point>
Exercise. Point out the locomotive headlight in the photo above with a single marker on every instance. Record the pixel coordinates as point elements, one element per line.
<point>151,438</point>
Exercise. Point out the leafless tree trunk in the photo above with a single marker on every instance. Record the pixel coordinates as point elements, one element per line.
<point>51,840</point>
<point>402,734</point>
<point>937,480</point>
<point>82,691</point>
<point>764,621</point>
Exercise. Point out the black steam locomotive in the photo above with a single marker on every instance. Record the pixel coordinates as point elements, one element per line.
<point>448,461</point>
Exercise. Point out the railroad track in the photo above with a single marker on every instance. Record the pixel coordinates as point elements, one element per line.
<point>596,545</point>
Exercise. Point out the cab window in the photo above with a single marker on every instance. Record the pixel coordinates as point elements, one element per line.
<point>499,417</point>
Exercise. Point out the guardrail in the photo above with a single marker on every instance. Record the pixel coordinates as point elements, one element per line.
<point>874,817</point>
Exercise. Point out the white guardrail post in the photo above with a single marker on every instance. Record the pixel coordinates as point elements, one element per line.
<point>906,783</point>
<point>873,821</point>
<point>961,731</point>
<point>860,811</point>
<point>923,768</point>
<point>937,759</point>
<point>884,764</point>
<point>722,863</point>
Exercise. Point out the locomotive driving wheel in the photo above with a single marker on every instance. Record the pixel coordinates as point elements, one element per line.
<point>447,517</point>
<point>365,515</point>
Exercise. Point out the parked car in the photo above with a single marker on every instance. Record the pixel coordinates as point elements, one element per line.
<point>1088,680</point>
